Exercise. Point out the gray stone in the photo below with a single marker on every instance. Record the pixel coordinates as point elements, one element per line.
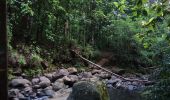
<point>59,74</point>
<point>85,75</point>
<point>70,80</point>
<point>49,76</point>
<point>50,93</point>
<point>35,81</point>
<point>19,82</point>
<point>58,85</point>
<point>13,93</point>
<point>44,82</point>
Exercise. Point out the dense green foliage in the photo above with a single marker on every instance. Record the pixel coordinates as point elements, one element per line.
<point>136,31</point>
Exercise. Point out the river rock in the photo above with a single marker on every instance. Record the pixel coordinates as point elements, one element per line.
<point>49,76</point>
<point>59,74</point>
<point>72,70</point>
<point>19,82</point>
<point>85,75</point>
<point>104,75</point>
<point>96,71</point>
<point>35,81</point>
<point>49,92</point>
<point>44,82</point>
<point>58,85</point>
<point>70,80</point>
<point>88,91</point>
<point>15,94</point>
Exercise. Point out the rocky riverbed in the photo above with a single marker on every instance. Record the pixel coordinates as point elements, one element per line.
<point>58,85</point>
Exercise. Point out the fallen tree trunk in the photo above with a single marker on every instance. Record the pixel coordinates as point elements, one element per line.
<point>118,76</point>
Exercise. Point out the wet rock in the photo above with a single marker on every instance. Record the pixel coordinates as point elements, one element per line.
<point>35,81</point>
<point>72,70</point>
<point>70,80</point>
<point>58,85</point>
<point>88,91</point>
<point>44,82</point>
<point>19,82</point>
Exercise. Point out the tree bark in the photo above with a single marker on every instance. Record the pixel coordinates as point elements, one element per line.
<point>3,51</point>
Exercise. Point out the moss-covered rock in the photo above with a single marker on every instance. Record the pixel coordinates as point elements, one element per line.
<point>85,90</point>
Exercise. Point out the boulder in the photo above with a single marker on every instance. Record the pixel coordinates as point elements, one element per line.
<point>15,94</point>
<point>85,90</point>
<point>70,80</point>
<point>72,70</point>
<point>58,85</point>
<point>49,92</point>
<point>104,75</point>
<point>19,82</point>
<point>35,81</point>
<point>59,74</point>
<point>49,76</point>
<point>96,71</point>
<point>44,82</point>
<point>85,75</point>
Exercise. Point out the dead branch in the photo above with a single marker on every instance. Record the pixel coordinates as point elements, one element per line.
<point>118,76</point>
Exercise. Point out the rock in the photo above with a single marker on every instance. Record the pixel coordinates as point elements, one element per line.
<point>94,79</point>
<point>96,71</point>
<point>19,82</point>
<point>123,94</point>
<point>72,70</point>
<point>104,75</point>
<point>89,91</point>
<point>58,85</point>
<point>21,96</point>
<point>113,82</point>
<point>36,87</point>
<point>49,76</point>
<point>48,92</point>
<point>44,82</point>
<point>70,80</point>
<point>85,75</point>
<point>28,89</point>
<point>35,81</point>
<point>13,93</point>
<point>59,74</point>
<point>42,98</point>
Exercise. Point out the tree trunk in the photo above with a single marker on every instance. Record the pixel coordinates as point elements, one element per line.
<point>3,52</point>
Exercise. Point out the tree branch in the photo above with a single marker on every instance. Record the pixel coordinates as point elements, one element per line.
<point>118,76</point>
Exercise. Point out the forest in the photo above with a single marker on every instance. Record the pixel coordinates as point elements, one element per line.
<point>88,49</point>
